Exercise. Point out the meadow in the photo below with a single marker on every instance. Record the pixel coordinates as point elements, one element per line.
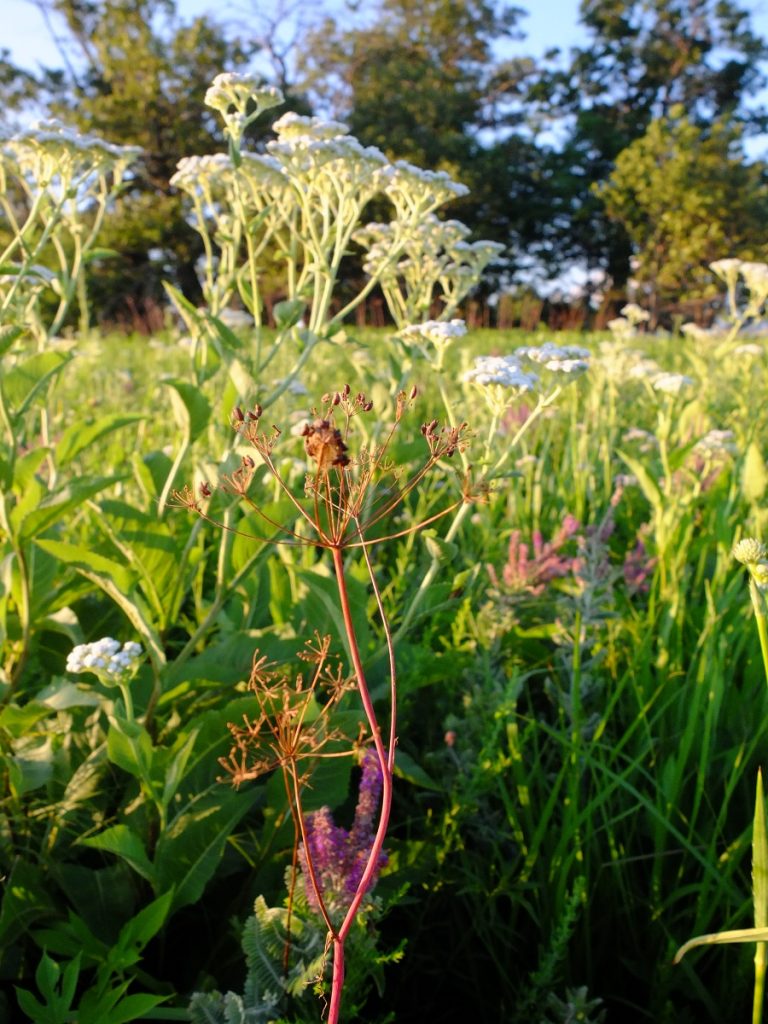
<point>230,553</point>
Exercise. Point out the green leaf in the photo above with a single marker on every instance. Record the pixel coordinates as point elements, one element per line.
<point>722,939</point>
<point>288,313</point>
<point>25,900</point>
<point>79,436</point>
<point>646,481</point>
<point>26,466</point>
<point>30,523</point>
<point>24,382</point>
<point>129,746</point>
<point>85,559</point>
<point>229,340</point>
<point>760,858</point>
<point>189,850</point>
<point>138,931</point>
<point>407,769</point>
<point>8,334</point>
<point>754,476</point>
<point>191,408</point>
<point>123,842</point>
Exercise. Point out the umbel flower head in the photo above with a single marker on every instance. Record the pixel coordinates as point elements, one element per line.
<point>345,495</point>
<point>107,659</point>
<point>753,554</point>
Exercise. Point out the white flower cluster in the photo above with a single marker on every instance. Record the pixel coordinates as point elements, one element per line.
<point>754,275</point>
<point>671,383</point>
<point>232,89</point>
<point>635,314</point>
<point>52,152</point>
<point>750,551</point>
<point>504,371</point>
<point>568,359</point>
<point>106,658</point>
<point>439,332</point>
<point>716,444</point>
<point>749,348</point>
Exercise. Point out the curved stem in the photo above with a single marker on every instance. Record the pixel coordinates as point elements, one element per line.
<point>386,762</point>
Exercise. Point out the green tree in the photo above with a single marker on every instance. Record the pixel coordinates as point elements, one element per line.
<point>138,76</point>
<point>642,57</point>
<point>421,80</point>
<point>686,196</point>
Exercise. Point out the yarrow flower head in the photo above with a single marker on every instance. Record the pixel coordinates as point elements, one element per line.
<point>440,332</point>
<point>107,659</point>
<point>635,314</point>
<point>671,383</point>
<point>504,371</point>
<point>570,360</point>
<point>232,93</point>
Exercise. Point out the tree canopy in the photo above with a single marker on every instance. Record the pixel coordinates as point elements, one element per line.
<point>544,143</point>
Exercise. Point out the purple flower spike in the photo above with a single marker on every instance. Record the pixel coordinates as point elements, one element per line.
<point>339,857</point>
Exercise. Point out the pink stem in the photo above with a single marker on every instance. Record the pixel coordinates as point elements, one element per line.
<point>384,756</point>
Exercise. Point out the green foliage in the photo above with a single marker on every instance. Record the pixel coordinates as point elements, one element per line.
<point>684,195</point>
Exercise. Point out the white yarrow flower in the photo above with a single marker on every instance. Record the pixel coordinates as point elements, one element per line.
<point>671,383</point>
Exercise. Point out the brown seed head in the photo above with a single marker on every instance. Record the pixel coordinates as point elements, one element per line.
<point>324,443</point>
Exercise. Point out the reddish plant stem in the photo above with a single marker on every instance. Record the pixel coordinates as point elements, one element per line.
<point>386,758</point>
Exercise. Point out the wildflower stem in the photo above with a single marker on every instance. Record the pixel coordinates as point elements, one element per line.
<point>386,760</point>
<point>758,604</point>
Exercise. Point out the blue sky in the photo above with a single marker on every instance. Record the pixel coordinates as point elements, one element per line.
<point>549,23</point>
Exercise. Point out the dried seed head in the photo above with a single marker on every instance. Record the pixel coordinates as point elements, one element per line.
<point>256,412</point>
<point>248,462</point>
<point>205,489</point>
<point>414,392</point>
<point>324,443</point>
<point>237,414</point>
<point>345,391</point>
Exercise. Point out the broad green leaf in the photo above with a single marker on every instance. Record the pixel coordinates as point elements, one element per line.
<point>30,523</point>
<point>407,769</point>
<point>189,851</point>
<point>19,720</point>
<point>132,1007</point>
<point>149,547</point>
<point>288,313</point>
<point>32,767</point>
<point>191,408</point>
<point>26,466</point>
<point>129,746</point>
<point>79,436</point>
<point>123,842</point>
<point>85,559</point>
<point>24,382</point>
<point>25,900</point>
<point>189,313</point>
<point>138,931</point>
<point>229,340</point>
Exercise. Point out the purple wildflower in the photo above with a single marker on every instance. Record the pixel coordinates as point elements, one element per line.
<point>338,856</point>
<point>523,573</point>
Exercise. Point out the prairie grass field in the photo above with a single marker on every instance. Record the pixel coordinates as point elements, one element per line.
<point>582,704</point>
<point>346,675</point>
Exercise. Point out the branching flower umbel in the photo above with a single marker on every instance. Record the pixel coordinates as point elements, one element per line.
<point>344,498</point>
